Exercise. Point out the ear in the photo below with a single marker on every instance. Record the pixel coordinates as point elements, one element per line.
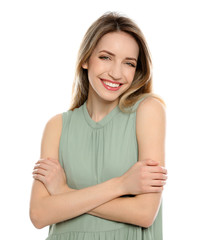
<point>85,65</point>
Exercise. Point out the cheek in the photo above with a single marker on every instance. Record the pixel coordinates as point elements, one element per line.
<point>96,67</point>
<point>130,76</point>
<point>96,70</point>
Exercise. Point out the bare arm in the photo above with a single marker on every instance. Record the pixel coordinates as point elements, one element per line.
<point>57,208</point>
<point>46,209</point>
<point>151,134</point>
<point>125,210</point>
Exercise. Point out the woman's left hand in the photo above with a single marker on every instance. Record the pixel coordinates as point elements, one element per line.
<point>52,175</point>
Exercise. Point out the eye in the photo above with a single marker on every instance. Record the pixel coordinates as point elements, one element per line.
<point>132,65</point>
<point>103,57</point>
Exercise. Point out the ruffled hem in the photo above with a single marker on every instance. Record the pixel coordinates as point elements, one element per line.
<point>126,233</point>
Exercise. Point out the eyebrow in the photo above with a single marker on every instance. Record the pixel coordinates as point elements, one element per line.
<point>128,58</point>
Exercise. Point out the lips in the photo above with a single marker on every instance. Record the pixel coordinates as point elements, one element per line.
<point>109,87</point>
<point>110,81</point>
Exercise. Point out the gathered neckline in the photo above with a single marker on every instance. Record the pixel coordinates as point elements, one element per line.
<point>103,121</point>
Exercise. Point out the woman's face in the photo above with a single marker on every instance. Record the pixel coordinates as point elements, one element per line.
<point>118,65</point>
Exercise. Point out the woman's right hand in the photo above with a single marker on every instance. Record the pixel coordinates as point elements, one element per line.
<point>145,176</point>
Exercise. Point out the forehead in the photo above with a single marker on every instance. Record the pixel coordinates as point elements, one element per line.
<point>118,42</point>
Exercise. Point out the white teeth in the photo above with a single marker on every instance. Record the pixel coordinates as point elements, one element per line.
<point>111,84</point>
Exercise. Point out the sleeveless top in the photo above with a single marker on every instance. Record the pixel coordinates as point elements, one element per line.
<point>91,153</point>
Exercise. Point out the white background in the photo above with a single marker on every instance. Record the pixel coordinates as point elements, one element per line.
<point>39,41</point>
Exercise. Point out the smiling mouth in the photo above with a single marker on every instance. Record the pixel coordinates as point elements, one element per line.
<point>111,86</point>
<point>112,82</point>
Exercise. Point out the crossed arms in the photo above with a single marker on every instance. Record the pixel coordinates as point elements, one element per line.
<point>103,200</point>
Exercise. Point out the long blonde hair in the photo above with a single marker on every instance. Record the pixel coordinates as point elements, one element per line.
<point>142,83</point>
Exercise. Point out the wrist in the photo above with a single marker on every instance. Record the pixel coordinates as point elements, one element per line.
<point>117,187</point>
<point>64,189</point>
<point>120,186</point>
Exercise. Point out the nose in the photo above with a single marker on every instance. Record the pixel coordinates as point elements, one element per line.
<point>115,71</point>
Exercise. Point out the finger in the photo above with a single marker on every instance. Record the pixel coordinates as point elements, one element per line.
<point>46,161</point>
<point>158,183</point>
<point>159,176</point>
<point>40,171</point>
<point>43,166</point>
<point>39,177</point>
<point>156,189</point>
<point>151,162</point>
<point>157,169</point>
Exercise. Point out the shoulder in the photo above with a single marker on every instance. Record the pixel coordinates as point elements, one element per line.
<point>151,107</point>
<point>51,137</point>
<point>55,122</point>
<point>150,119</point>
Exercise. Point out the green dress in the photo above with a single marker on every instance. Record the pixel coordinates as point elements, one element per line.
<point>93,152</point>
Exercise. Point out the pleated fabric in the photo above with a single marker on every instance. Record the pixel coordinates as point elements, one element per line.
<point>91,153</point>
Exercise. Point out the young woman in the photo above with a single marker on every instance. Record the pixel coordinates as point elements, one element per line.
<point>102,166</point>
